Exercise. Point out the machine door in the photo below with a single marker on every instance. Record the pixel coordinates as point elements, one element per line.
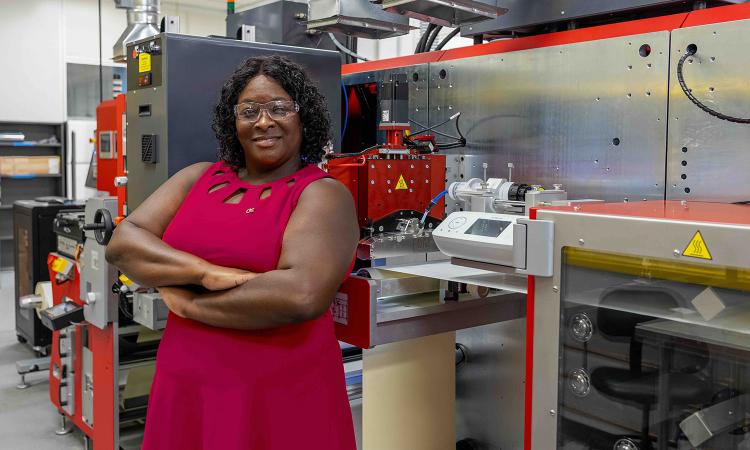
<point>654,354</point>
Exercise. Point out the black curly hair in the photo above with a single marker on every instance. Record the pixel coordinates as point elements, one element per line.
<point>314,115</point>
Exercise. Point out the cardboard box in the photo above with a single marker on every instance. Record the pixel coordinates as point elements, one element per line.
<point>29,165</point>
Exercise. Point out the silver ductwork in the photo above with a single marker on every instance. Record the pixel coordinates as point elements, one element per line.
<point>143,19</point>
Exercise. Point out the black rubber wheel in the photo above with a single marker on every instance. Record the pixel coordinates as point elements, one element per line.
<point>21,339</point>
<point>104,217</point>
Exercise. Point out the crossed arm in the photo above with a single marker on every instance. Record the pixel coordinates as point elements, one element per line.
<point>317,249</point>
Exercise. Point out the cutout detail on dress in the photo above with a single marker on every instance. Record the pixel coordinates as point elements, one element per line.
<point>290,182</point>
<point>216,187</point>
<point>236,196</point>
<point>265,193</point>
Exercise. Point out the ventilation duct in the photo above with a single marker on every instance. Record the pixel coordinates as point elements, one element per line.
<point>143,19</point>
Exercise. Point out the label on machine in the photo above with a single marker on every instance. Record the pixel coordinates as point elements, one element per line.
<point>340,308</point>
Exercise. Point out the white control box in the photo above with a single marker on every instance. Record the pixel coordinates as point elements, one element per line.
<point>485,237</point>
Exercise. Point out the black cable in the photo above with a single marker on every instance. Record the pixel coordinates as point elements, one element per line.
<point>447,38</point>
<point>346,155</point>
<point>690,51</point>
<point>426,129</point>
<point>431,40</point>
<point>423,38</point>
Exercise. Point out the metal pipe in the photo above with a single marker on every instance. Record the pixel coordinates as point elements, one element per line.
<point>143,19</point>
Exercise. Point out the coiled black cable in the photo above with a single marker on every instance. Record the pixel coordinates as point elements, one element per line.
<point>690,51</point>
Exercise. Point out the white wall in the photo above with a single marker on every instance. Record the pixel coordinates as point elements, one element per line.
<point>31,82</point>
<point>203,18</point>
<point>38,38</point>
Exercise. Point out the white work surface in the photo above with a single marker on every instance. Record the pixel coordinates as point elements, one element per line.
<point>444,270</point>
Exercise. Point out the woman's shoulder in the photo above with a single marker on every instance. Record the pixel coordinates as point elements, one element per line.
<point>327,188</point>
<point>190,175</point>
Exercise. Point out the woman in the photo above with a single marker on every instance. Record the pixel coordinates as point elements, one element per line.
<point>248,253</point>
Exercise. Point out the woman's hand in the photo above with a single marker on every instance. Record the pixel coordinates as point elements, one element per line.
<point>218,278</point>
<point>177,299</point>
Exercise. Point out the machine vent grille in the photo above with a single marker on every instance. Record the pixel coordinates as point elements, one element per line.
<point>148,149</point>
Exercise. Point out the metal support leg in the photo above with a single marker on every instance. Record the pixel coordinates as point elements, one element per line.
<point>23,384</point>
<point>27,366</point>
<point>64,427</point>
<point>87,444</point>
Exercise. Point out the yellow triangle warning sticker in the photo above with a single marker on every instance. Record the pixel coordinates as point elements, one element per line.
<point>401,183</point>
<point>697,248</point>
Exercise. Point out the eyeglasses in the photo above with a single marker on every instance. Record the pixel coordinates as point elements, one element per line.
<point>277,110</point>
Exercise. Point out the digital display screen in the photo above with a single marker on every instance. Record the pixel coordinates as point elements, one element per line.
<point>105,142</point>
<point>487,227</point>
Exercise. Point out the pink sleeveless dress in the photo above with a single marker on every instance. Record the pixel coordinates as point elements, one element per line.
<point>221,389</point>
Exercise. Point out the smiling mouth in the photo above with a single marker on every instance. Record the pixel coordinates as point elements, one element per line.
<point>266,141</point>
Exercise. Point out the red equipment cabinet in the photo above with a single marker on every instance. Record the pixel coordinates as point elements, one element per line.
<point>388,188</point>
<point>110,148</point>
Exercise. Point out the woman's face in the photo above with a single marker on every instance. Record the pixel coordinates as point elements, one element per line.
<point>268,143</point>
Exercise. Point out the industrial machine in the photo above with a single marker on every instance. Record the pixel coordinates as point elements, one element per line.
<point>33,237</point>
<point>596,126</point>
<point>453,263</point>
<point>639,338</point>
<point>162,122</point>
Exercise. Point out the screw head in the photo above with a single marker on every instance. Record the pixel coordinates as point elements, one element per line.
<point>555,289</point>
<point>581,242</point>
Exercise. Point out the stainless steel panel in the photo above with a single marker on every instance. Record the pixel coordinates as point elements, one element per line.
<point>490,385</point>
<point>356,17</point>
<point>590,116</point>
<point>97,275</point>
<point>710,153</point>
<point>523,14</point>
<point>446,12</point>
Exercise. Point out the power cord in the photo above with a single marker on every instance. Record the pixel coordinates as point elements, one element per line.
<point>691,50</point>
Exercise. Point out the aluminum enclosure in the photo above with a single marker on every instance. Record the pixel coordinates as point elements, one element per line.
<point>169,112</point>
<point>355,17</point>
<point>279,22</point>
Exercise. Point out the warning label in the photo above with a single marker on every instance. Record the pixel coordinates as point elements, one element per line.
<point>144,63</point>
<point>401,183</point>
<point>697,248</point>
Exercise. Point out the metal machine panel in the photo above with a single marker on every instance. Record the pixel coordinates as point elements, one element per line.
<point>97,275</point>
<point>707,158</point>
<point>150,310</point>
<point>169,112</point>
<point>87,380</point>
<point>589,116</point>
<point>357,18</point>
<point>417,77</point>
<point>279,22</point>
<point>489,382</point>
<point>523,14</point>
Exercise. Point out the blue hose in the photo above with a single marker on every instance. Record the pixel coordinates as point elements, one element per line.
<point>346,110</point>
<point>433,202</point>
